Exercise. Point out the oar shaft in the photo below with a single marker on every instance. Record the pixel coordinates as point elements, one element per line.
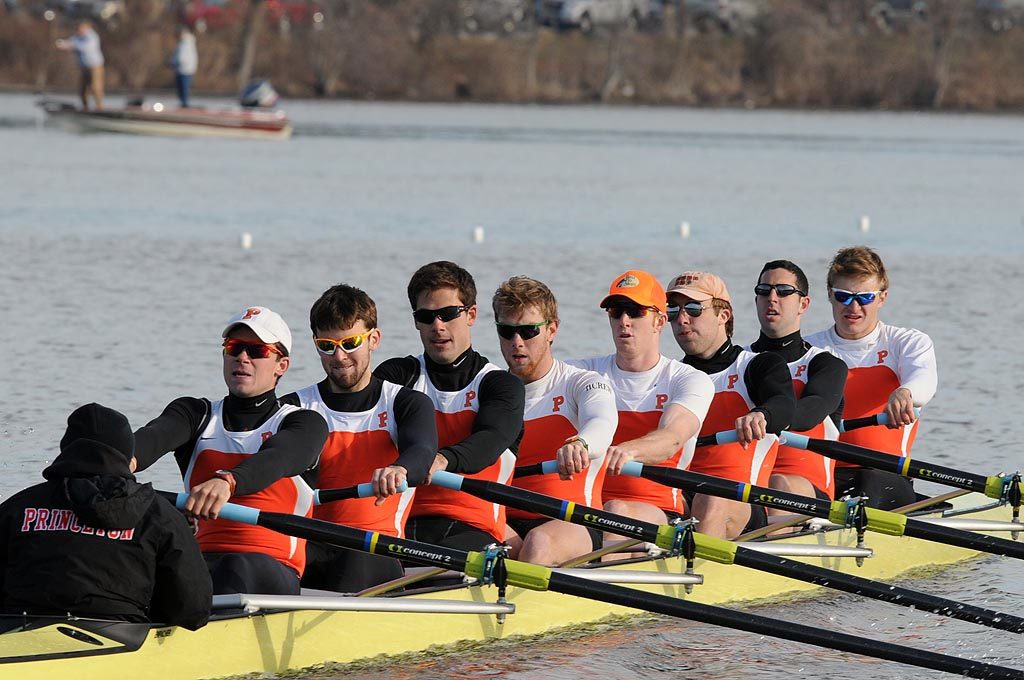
<point>761,625</point>
<point>964,539</point>
<point>901,465</point>
<point>541,578</point>
<point>857,585</point>
<point>364,490</point>
<point>725,488</point>
<point>726,552</point>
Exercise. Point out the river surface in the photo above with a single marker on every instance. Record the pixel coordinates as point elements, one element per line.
<point>120,259</point>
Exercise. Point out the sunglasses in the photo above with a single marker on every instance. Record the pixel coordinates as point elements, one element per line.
<point>445,314</point>
<point>327,346</point>
<point>256,350</point>
<point>527,331</point>
<point>632,311</point>
<point>782,289</point>
<point>694,309</point>
<point>845,297</point>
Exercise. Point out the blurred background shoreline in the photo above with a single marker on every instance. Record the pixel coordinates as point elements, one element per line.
<point>958,55</point>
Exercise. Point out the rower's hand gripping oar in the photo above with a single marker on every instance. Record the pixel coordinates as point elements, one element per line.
<point>534,577</point>
<point>364,490</point>
<point>681,539</point>
<point>731,437</point>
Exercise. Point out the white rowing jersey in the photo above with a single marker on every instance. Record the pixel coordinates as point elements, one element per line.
<point>884,360</point>
<point>641,398</point>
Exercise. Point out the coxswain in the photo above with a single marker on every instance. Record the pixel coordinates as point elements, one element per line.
<point>92,542</point>
<point>819,378</point>
<point>570,417</point>
<point>753,396</point>
<point>247,448</point>
<point>892,370</point>
<point>661,402</point>
<point>478,409</point>
<point>380,432</point>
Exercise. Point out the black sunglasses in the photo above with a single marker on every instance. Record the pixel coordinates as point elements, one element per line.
<point>782,289</point>
<point>445,314</point>
<point>694,309</point>
<point>527,331</point>
<point>632,311</point>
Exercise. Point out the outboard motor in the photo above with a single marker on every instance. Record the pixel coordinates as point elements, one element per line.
<point>258,93</point>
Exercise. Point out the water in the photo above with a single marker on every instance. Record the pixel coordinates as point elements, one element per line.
<point>121,261</point>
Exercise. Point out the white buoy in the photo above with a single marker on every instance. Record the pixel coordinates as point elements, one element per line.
<point>684,230</point>
<point>478,234</point>
<point>246,240</point>
<point>865,224</point>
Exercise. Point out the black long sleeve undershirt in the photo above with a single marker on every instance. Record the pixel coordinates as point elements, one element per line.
<point>767,380</point>
<point>414,420</point>
<point>499,420</point>
<point>826,380</point>
<point>291,450</point>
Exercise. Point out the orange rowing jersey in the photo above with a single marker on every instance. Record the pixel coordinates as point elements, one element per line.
<point>731,461</point>
<point>814,467</point>
<point>218,448</point>
<point>357,444</point>
<point>641,398</point>
<point>884,360</point>
<point>565,403</point>
<point>455,413</point>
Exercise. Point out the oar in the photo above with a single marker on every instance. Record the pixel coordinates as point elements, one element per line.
<point>534,577</point>
<point>667,537</point>
<point>729,436</point>
<point>850,513</point>
<point>1000,487</point>
<point>364,490</point>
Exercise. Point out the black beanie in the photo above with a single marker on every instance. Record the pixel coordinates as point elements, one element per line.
<point>102,425</point>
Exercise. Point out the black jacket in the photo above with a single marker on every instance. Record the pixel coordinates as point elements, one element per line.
<point>91,541</point>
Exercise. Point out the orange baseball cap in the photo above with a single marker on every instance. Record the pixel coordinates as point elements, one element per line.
<point>638,286</point>
<point>700,286</point>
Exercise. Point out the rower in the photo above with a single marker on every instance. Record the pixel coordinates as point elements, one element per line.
<point>660,402</point>
<point>379,432</point>
<point>891,370</point>
<point>753,395</point>
<point>819,377</point>
<point>248,448</point>
<point>90,541</point>
<point>478,408</point>
<point>570,416</point>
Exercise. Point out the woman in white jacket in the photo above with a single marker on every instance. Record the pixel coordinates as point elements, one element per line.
<point>185,61</point>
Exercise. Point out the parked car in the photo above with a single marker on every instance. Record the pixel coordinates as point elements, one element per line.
<point>506,16</point>
<point>107,12</point>
<point>728,16</point>
<point>1000,15</point>
<point>587,15</point>
<point>887,12</point>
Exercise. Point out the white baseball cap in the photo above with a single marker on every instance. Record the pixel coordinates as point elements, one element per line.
<point>265,323</point>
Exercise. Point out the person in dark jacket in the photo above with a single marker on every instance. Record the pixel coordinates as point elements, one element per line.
<point>91,541</point>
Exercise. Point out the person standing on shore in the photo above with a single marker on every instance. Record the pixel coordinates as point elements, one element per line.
<point>86,45</point>
<point>892,370</point>
<point>184,62</point>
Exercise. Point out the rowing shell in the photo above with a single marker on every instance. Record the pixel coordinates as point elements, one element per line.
<point>282,634</point>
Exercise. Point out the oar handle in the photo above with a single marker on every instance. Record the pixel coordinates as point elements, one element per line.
<point>546,468</point>
<point>364,490</point>
<point>723,437</point>
<point>868,421</point>
<point>231,511</point>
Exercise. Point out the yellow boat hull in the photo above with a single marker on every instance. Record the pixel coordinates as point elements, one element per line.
<point>278,642</point>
